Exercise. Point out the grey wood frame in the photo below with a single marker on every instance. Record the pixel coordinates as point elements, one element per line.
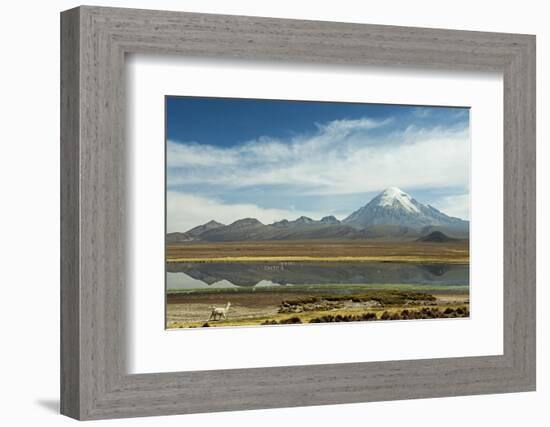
<point>94,41</point>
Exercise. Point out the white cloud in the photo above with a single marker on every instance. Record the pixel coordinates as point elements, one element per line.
<point>193,154</point>
<point>185,211</point>
<point>458,206</point>
<point>344,127</point>
<point>342,157</point>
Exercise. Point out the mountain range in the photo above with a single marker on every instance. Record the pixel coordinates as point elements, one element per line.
<point>392,214</point>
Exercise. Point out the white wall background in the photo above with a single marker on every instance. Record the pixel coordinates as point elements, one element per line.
<point>29,191</point>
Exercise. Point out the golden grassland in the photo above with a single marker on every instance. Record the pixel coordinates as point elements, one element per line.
<point>250,308</point>
<point>312,316</point>
<point>456,252</point>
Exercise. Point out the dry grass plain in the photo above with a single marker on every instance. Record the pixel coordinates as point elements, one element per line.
<point>271,306</point>
<point>455,252</point>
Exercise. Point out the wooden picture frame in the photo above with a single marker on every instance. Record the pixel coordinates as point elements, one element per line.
<point>94,382</point>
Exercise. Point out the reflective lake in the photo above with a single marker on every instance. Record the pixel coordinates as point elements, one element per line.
<point>229,275</point>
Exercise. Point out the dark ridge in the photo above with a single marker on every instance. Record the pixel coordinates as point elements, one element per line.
<point>329,220</point>
<point>303,220</point>
<point>245,222</point>
<point>281,223</point>
<point>436,236</point>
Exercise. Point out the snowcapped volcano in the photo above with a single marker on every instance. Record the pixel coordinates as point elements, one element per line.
<point>397,199</point>
<point>392,214</point>
<point>395,207</point>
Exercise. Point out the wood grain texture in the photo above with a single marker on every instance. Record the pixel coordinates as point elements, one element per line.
<point>94,196</point>
<point>70,292</point>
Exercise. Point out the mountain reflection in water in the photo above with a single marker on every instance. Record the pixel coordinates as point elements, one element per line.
<point>212,274</point>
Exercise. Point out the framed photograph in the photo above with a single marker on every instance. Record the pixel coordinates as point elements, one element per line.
<point>261,213</point>
<point>264,218</point>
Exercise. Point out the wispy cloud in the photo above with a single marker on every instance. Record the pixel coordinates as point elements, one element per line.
<point>342,157</point>
<point>458,206</point>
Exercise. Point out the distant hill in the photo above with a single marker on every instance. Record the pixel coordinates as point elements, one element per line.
<point>194,233</point>
<point>454,232</point>
<point>392,214</point>
<point>302,228</point>
<point>437,237</point>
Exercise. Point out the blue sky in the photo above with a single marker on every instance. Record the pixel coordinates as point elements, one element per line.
<point>270,159</point>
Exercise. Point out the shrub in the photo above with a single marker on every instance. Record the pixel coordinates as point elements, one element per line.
<point>369,316</point>
<point>291,320</point>
<point>428,313</point>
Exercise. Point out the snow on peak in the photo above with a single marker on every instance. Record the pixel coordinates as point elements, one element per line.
<point>392,195</point>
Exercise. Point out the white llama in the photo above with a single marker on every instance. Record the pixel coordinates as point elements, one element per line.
<point>219,312</point>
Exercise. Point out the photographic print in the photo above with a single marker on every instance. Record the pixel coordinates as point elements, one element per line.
<point>284,212</point>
